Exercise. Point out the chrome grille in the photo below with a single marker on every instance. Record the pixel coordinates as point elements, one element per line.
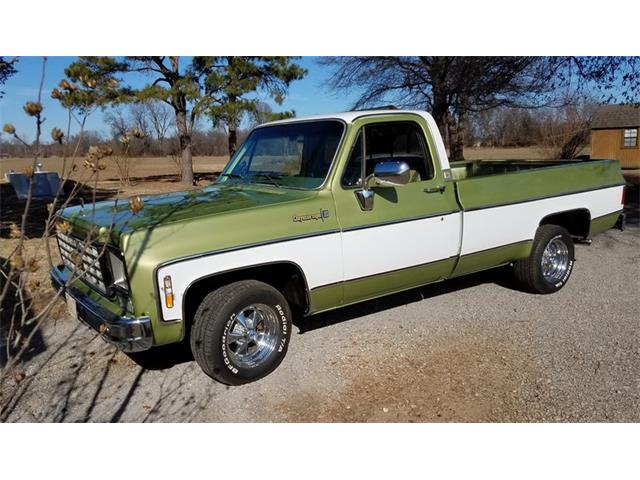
<point>83,259</point>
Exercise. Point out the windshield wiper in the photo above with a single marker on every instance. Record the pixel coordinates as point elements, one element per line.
<point>269,177</point>
<point>230,175</point>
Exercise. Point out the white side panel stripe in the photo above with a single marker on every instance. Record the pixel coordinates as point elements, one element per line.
<point>401,245</point>
<point>492,227</point>
<point>320,258</point>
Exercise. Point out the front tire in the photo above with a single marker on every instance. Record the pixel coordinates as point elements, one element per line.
<point>549,266</point>
<point>241,332</point>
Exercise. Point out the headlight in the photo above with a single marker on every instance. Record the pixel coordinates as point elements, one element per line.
<point>118,273</point>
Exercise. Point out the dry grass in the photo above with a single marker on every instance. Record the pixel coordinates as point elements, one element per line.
<point>142,167</point>
<point>37,284</point>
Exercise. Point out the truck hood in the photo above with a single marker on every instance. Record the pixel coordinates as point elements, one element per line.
<point>113,218</point>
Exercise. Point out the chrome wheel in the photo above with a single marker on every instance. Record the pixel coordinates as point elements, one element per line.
<point>555,260</point>
<point>252,335</point>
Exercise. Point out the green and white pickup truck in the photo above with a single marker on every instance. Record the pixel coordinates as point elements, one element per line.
<point>313,214</point>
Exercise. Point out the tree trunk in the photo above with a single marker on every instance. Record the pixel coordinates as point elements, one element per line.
<point>232,124</point>
<point>440,110</point>
<point>457,138</point>
<point>186,160</point>
<point>233,139</point>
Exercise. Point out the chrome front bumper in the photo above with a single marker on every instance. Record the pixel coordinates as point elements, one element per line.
<point>130,334</point>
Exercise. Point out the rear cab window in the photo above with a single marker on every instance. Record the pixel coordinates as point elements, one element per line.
<point>387,142</point>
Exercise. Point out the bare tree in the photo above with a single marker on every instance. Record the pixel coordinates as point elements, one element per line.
<point>567,131</point>
<point>118,120</point>
<point>453,87</point>
<point>161,121</point>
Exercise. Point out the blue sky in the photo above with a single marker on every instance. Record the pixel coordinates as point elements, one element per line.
<point>307,97</point>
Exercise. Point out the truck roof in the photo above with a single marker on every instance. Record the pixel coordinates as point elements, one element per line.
<point>348,117</point>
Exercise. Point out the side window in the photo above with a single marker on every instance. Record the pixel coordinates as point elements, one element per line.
<point>386,142</point>
<point>630,138</point>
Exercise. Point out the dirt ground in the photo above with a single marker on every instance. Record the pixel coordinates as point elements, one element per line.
<point>150,167</point>
<point>146,168</point>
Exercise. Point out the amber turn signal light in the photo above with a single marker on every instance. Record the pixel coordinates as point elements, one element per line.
<point>168,292</point>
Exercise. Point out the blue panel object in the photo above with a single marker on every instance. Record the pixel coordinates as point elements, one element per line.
<point>45,184</point>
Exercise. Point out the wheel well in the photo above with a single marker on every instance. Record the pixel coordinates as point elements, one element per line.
<point>286,277</point>
<point>576,222</point>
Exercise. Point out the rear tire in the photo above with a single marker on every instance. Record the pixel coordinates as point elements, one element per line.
<point>549,266</point>
<point>241,332</point>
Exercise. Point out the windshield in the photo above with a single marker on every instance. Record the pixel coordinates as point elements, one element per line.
<point>294,155</point>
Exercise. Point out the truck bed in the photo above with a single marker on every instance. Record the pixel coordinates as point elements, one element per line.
<point>482,184</point>
<point>478,168</point>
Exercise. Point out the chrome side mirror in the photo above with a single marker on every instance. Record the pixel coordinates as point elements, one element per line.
<point>389,174</point>
<point>385,174</point>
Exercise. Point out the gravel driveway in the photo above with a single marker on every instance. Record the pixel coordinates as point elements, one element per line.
<point>469,350</point>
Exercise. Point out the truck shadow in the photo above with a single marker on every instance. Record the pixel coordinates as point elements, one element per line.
<point>16,324</point>
<point>500,276</point>
<point>632,205</point>
<point>162,358</point>
<point>165,357</point>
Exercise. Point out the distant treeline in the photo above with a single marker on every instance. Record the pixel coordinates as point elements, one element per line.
<point>209,143</point>
<point>157,136</point>
<point>501,127</point>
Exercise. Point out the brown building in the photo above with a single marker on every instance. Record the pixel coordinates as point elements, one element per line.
<point>615,134</point>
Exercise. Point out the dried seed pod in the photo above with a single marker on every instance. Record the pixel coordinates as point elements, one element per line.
<point>76,259</point>
<point>55,93</point>
<point>63,227</point>
<point>14,231</point>
<point>89,82</point>
<point>125,139</point>
<point>9,128</point>
<point>136,204</point>
<point>65,85</point>
<point>33,265</point>
<point>33,108</point>
<point>93,152</point>
<point>17,262</point>
<point>101,165</point>
<point>106,151</point>
<point>57,135</point>
<point>137,133</point>
<point>112,83</point>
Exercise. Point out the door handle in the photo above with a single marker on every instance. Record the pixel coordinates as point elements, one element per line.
<point>439,189</point>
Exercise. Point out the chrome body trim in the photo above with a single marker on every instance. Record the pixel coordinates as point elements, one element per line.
<point>129,334</point>
<point>391,174</point>
<point>365,199</point>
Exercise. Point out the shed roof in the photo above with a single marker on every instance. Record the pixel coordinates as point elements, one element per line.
<point>617,116</point>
